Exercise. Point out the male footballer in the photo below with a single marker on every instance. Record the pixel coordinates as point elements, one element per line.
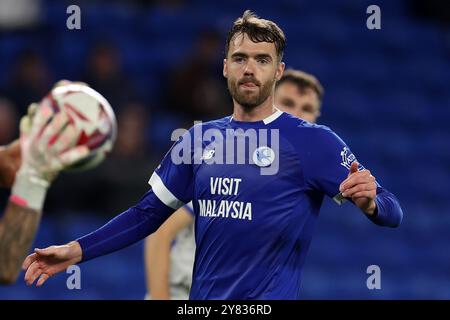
<point>170,251</point>
<point>256,180</point>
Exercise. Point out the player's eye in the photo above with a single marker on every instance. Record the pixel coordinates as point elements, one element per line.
<point>263,60</point>
<point>288,103</point>
<point>238,59</point>
<point>308,108</point>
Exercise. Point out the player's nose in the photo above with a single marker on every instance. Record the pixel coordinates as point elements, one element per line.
<point>249,69</point>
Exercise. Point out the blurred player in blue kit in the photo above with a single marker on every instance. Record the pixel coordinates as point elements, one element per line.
<point>255,211</point>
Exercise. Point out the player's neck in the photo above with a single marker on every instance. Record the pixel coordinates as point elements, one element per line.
<point>261,112</point>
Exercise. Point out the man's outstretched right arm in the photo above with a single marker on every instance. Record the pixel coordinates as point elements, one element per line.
<point>171,187</point>
<point>127,228</point>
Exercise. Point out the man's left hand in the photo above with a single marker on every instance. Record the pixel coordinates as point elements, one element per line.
<point>361,187</point>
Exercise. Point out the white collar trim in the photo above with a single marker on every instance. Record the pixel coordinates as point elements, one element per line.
<point>274,116</point>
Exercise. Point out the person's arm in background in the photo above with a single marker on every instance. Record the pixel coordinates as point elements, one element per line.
<point>17,230</point>
<point>21,222</point>
<point>40,163</point>
<point>157,254</point>
<point>9,163</point>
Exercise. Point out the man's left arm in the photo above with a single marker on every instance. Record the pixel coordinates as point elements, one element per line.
<point>380,206</point>
<point>334,170</point>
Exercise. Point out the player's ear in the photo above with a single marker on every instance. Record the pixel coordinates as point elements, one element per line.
<point>225,72</point>
<point>280,70</point>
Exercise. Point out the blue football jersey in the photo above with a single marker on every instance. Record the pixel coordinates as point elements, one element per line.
<point>253,229</point>
<point>256,189</point>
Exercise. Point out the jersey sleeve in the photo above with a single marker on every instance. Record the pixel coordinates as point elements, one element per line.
<point>388,211</point>
<point>190,208</point>
<point>171,187</point>
<point>133,225</point>
<point>327,161</point>
<point>172,181</point>
<point>327,165</point>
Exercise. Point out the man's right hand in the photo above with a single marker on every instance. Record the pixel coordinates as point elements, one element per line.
<point>44,263</point>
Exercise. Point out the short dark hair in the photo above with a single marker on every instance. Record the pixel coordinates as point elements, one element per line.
<point>303,81</point>
<point>258,30</point>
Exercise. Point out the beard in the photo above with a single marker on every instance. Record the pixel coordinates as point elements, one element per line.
<point>249,99</point>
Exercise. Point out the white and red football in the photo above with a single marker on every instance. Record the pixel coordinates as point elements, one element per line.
<point>93,117</point>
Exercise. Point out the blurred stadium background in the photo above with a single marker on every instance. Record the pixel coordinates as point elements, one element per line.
<point>387,93</point>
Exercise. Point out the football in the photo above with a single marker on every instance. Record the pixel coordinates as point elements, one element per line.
<point>93,116</point>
